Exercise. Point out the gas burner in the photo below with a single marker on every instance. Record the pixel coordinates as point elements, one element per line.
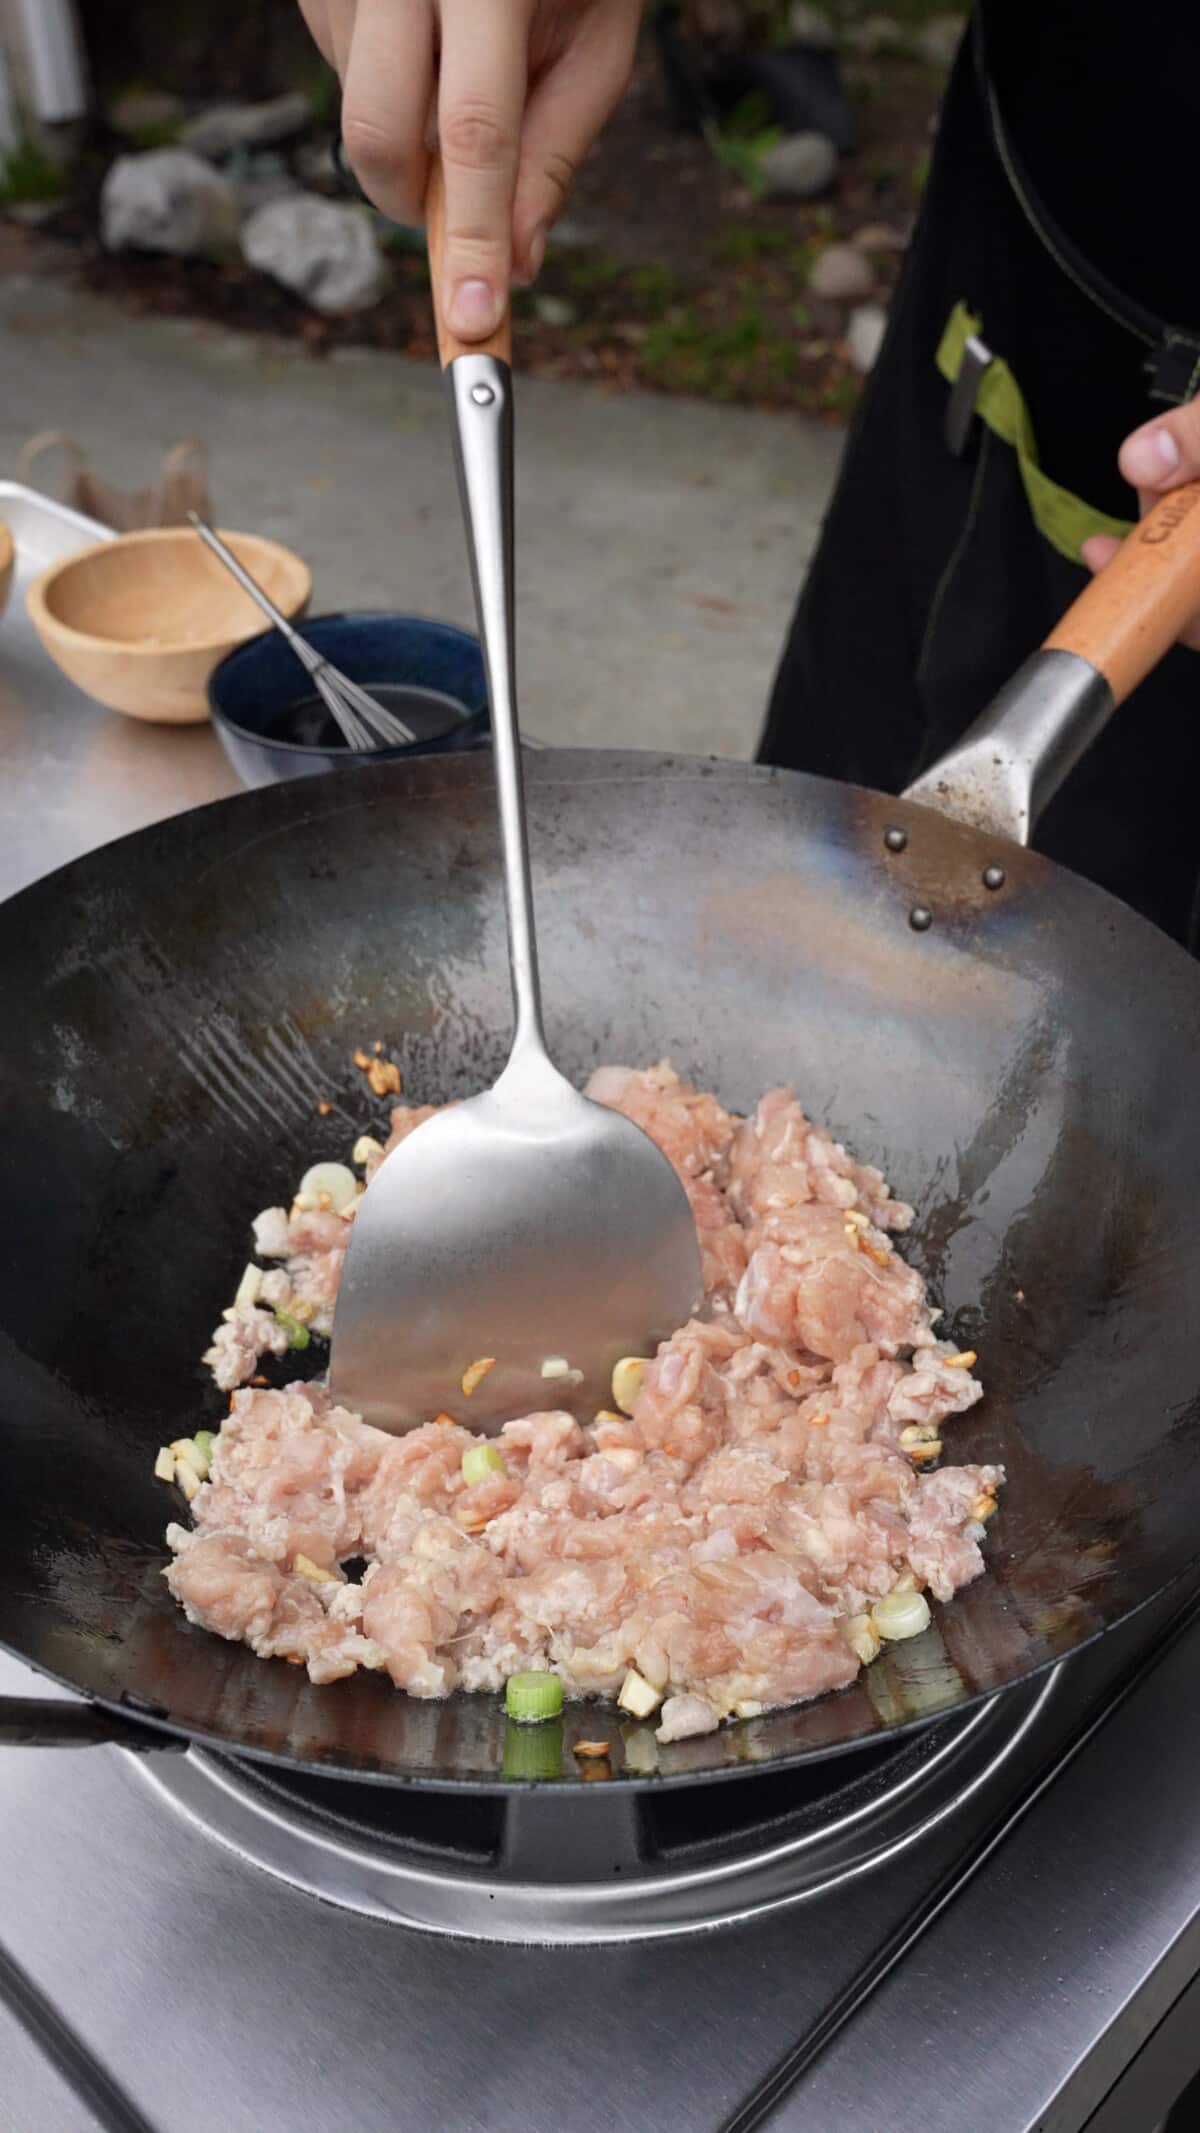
<point>606,1862</point>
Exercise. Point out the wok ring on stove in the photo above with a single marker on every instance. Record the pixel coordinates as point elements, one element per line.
<point>549,1867</point>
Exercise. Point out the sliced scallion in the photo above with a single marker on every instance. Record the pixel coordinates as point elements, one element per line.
<point>532,1752</point>
<point>480,1460</point>
<point>204,1440</point>
<point>530,1698</point>
<point>297,1335</point>
<point>901,1615</point>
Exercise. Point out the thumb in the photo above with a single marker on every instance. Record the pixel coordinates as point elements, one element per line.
<point>1165,452</point>
<point>1098,549</point>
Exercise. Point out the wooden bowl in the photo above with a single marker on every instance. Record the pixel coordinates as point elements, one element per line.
<point>8,556</point>
<point>140,622</point>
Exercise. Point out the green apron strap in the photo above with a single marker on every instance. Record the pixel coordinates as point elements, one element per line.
<point>1061,518</point>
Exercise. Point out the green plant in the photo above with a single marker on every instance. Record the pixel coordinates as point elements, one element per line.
<point>29,177</point>
<point>743,246</point>
<point>741,155</point>
<point>656,289</point>
<point>595,271</point>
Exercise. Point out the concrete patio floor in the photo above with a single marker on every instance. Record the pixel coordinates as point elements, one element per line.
<point>660,542</point>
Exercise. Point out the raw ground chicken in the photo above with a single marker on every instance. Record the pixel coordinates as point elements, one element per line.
<point>726,1539</point>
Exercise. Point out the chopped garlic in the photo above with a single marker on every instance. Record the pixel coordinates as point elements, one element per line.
<point>863,1638</point>
<point>637,1696</point>
<point>187,1480</point>
<point>306,1568</point>
<point>364,1148</point>
<point>627,1381</point>
<point>556,1366</point>
<point>249,1285</point>
<point>188,1453</point>
<point>748,1707</point>
<point>164,1465</point>
<point>476,1372</point>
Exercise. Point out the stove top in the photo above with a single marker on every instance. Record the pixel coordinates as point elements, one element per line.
<point>997,1922</point>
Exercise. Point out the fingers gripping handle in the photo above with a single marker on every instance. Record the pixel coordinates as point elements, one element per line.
<point>1132,612</point>
<point>499,343</point>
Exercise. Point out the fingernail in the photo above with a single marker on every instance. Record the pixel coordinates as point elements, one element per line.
<point>537,253</point>
<point>473,310</point>
<point>1149,454</point>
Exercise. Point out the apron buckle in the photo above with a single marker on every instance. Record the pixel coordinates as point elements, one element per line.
<point>960,408</point>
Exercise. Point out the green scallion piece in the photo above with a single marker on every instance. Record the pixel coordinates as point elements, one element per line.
<point>204,1440</point>
<point>530,1698</point>
<point>480,1460</point>
<point>297,1335</point>
<point>532,1752</point>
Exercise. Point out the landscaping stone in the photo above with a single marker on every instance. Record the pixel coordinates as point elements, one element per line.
<point>165,200</point>
<point>324,250</point>
<point>798,167</point>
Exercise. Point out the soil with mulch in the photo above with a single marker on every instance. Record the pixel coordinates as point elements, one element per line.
<point>669,272</point>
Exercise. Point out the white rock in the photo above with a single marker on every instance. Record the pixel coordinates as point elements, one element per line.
<point>324,250</point>
<point>167,201</point>
<point>228,126</point>
<point>810,26</point>
<point>144,111</point>
<point>879,237</point>
<point>554,310</point>
<point>798,167</point>
<point>864,336</point>
<point>877,33</point>
<point>841,273</point>
<point>938,40</point>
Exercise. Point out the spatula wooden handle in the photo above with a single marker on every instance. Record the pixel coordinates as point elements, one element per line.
<point>1129,615</point>
<point>498,343</point>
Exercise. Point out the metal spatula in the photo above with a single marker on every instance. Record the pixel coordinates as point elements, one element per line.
<point>519,1244</point>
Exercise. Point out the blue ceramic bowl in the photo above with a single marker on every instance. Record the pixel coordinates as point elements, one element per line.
<point>272,728</point>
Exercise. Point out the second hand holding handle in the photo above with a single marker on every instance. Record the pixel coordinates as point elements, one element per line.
<point>479,387</point>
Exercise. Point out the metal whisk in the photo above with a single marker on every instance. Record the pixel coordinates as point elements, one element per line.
<point>362,722</point>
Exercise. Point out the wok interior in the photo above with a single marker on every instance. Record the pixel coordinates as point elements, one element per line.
<point>177,1004</point>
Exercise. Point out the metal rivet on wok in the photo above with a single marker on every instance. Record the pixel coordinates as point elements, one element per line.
<point>482,395</point>
<point>993,877</point>
<point>895,839</point>
<point>920,918</point>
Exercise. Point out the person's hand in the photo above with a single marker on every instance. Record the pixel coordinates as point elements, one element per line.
<point>514,91</point>
<point>1159,456</point>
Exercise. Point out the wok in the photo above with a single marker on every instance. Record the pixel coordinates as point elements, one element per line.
<point>1015,1049</point>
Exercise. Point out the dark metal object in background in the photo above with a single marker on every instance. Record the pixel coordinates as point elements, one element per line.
<point>177,1003</point>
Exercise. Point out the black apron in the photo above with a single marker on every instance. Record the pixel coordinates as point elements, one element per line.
<point>932,580</point>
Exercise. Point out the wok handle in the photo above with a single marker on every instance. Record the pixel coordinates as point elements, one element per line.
<point>53,1722</point>
<point>1132,612</point>
<point>1011,762</point>
<point>479,388</point>
<point>498,344</point>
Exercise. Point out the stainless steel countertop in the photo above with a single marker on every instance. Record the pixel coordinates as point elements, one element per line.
<point>73,775</point>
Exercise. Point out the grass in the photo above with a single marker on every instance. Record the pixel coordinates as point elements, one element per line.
<point>29,177</point>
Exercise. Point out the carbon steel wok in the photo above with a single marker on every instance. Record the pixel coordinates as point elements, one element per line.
<point>1023,1067</point>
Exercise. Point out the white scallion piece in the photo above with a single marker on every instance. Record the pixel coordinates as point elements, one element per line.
<point>250,1285</point>
<point>335,1179</point>
<point>164,1465</point>
<point>901,1615</point>
<point>556,1366</point>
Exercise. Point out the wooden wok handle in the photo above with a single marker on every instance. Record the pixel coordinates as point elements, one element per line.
<point>1129,615</point>
<point>498,343</point>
